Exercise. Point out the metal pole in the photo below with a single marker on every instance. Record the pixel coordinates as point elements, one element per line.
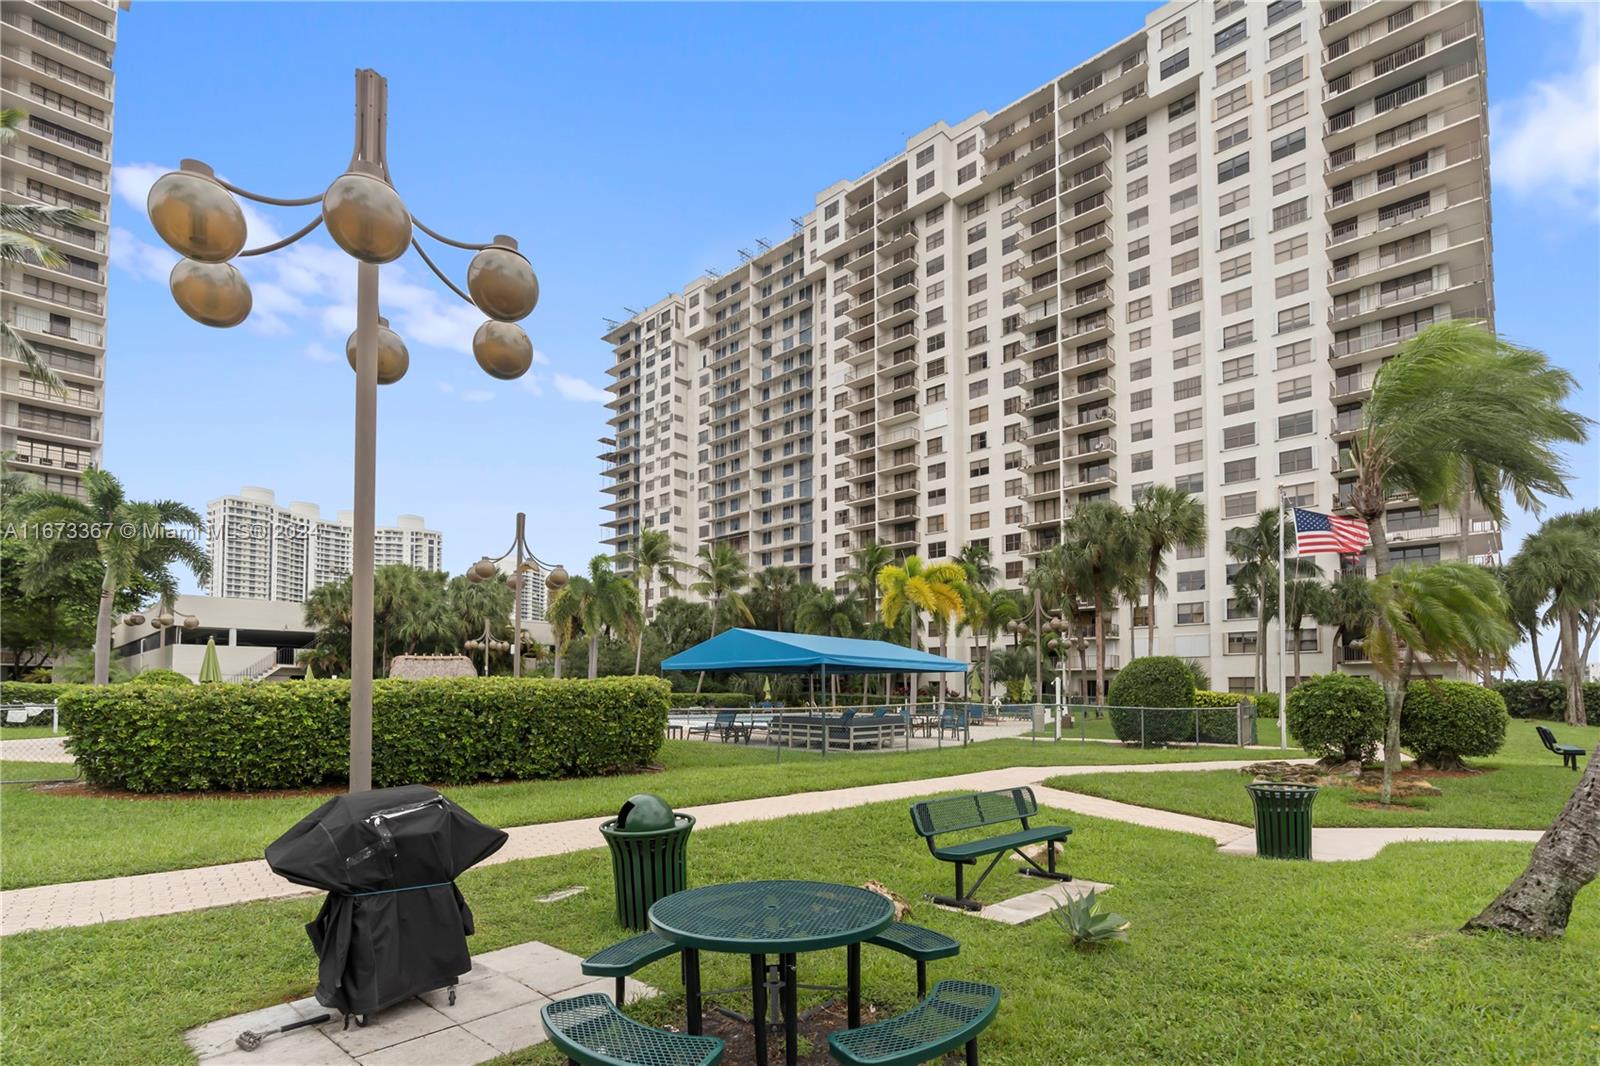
<point>516,610</point>
<point>1283,633</point>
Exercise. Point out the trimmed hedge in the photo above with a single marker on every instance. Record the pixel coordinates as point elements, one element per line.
<point>1337,716</point>
<point>1445,720</point>
<point>32,692</point>
<point>1152,681</point>
<point>158,676</point>
<point>711,699</point>
<point>1544,700</point>
<point>155,738</point>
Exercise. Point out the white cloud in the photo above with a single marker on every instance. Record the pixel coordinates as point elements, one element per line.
<point>577,389</point>
<point>477,396</point>
<point>531,382</point>
<point>319,353</point>
<point>131,182</point>
<point>151,262</point>
<point>1547,140</point>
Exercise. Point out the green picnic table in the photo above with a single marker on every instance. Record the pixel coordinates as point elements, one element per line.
<point>762,918</point>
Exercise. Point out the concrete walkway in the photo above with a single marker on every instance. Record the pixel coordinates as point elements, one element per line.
<point>39,749</point>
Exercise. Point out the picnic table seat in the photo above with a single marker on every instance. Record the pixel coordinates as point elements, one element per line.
<point>952,1016</point>
<point>1569,752</point>
<point>627,957</point>
<point>916,942</point>
<point>590,1030</point>
<point>980,810</point>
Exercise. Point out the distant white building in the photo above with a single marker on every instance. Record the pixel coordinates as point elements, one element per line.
<point>1591,672</point>
<point>262,551</point>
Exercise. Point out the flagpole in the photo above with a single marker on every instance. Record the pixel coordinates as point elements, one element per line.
<point>1283,632</point>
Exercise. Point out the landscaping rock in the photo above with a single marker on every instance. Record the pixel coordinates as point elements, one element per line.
<point>902,909</point>
<point>1286,773</point>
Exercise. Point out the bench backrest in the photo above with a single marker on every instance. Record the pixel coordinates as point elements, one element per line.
<point>951,814</point>
<point>1548,737</point>
<point>727,717</point>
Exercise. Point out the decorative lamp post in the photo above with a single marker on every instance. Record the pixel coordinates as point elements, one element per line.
<point>167,616</point>
<point>194,211</point>
<point>554,582</point>
<point>526,563</point>
<point>486,643</point>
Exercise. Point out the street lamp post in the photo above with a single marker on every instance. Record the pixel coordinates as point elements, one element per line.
<point>487,642</point>
<point>554,582</point>
<point>194,211</point>
<point>487,567</point>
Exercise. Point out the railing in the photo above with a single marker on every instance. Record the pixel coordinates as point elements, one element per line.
<point>1407,250</point>
<point>1376,31</point>
<point>1390,217</point>
<point>1102,141</point>
<point>1350,386</point>
<point>103,27</point>
<point>87,399</point>
<point>1381,105</point>
<point>260,668</point>
<point>62,168</point>
<point>84,431</point>
<point>23,318</point>
<point>1441,280</point>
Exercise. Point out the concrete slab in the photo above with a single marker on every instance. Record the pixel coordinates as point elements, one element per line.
<point>1352,844</point>
<point>307,1047</point>
<point>509,1030</point>
<point>402,1022</point>
<point>1031,905</point>
<point>448,1047</point>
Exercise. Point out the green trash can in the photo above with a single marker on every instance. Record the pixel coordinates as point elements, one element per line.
<point>1283,819</point>
<point>648,845</point>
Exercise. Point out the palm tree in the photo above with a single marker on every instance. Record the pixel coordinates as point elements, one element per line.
<point>327,613</point>
<point>1559,565</point>
<point>911,587</point>
<point>1102,553</point>
<point>1302,598</point>
<point>20,242</point>
<point>1348,607</point>
<point>467,607</point>
<point>977,561</point>
<point>397,593</point>
<point>1164,518</point>
<point>723,575</point>
<point>601,601</point>
<point>826,614</point>
<point>653,558</point>
<point>988,612</point>
<point>774,595</point>
<point>134,543</point>
<point>867,562</point>
<point>1255,583</point>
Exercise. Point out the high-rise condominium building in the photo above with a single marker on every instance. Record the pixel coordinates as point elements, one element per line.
<point>55,65</point>
<point>262,551</point>
<point>1180,263</point>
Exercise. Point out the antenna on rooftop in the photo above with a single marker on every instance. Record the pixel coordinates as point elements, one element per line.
<point>745,256</point>
<point>613,323</point>
<point>766,245</point>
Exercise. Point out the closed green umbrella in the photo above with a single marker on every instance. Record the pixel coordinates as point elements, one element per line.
<point>311,673</point>
<point>210,668</point>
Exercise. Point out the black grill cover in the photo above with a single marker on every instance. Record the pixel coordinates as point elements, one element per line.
<point>394,925</point>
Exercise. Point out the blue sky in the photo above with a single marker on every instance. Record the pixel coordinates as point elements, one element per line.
<point>629,148</point>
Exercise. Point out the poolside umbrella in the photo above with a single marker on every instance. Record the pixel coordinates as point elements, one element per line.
<point>394,924</point>
<point>210,668</point>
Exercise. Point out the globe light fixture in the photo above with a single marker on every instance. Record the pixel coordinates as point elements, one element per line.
<point>134,618</point>
<point>196,213</point>
<point>484,568</point>
<point>393,359</point>
<point>526,563</point>
<point>213,294</point>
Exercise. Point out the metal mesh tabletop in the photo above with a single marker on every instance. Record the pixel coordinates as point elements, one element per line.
<point>771,917</point>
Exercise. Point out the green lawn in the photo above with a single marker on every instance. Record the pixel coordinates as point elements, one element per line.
<point>26,732</point>
<point>1524,787</point>
<point>51,838</point>
<point>1232,959</point>
<point>22,770</point>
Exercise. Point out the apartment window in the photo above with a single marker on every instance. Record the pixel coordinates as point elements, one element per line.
<point>1295,461</point>
<point>1191,451</point>
<point>1291,73</point>
<point>1142,461</point>
<point>935,393</point>
<point>965,174</point>
<point>925,156</point>
<point>1137,158</point>
<point>1182,107</point>
<point>936,472</point>
<point>978,232</point>
<point>1178,140</point>
<point>1173,32</point>
<point>1284,43</point>
<point>1236,167</point>
<point>1191,614</point>
<point>831,234</point>
<point>1185,357</point>
<point>1294,389</point>
<point>1141,431</point>
<point>978,415</point>
<point>975,285</point>
<point>1140,401</point>
<point>1187,389</point>
<point>1139,370</point>
<point>1238,368</point>
<point>1138,279</point>
<point>1238,505</point>
<point>936,291</point>
<point>1182,168</point>
<point>1182,201</point>
<point>1237,403</point>
<point>1282,9</point>
<point>979,441</point>
<point>1134,130</point>
<point>967,147</point>
<point>1138,188</point>
<point>1295,425</point>
<point>1290,214</point>
<point>1242,643</point>
<point>1229,36</point>
<point>1294,318</point>
<point>830,211</point>
<point>1184,294</point>
<point>1290,284</point>
<point>1286,110</point>
<point>1233,100</point>
<point>1234,302</point>
<point>1232,68</point>
<point>1237,267</point>
<point>1289,249</point>
<point>1184,421</point>
<point>1186,230</point>
<point>1139,310</point>
<point>1139,340</point>
<point>1233,236</point>
<point>977,310</point>
<point>1232,134</point>
<point>1241,436</point>
<point>1292,355</point>
<point>935,368</point>
<point>1139,218</point>
<point>1237,334</point>
<point>1237,200</point>
<point>1237,470</point>
<point>1183,325</point>
<point>1292,178</point>
<point>1288,144</point>
<point>1174,63</point>
<point>1186,261</point>
<point>1139,248</point>
<point>936,265</point>
<point>925,181</point>
<point>1195,483</point>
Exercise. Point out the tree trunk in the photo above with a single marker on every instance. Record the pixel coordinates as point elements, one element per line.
<point>638,652</point>
<point>1380,545</point>
<point>1150,609</point>
<point>102,630</point>
<point>1099,651</point>
<point>1394,695</point>
<point>1567,857</point>
<point>1538,664</point>
<point>594,656</point>
<point>561,651</point>
<point>988,669</point>
<point>1572,667</point>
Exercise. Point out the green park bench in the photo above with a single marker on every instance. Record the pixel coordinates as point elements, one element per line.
<point>1569,752</point>
<point>591,1031</point>
<point>952,1016</point>
<point>622,960</point>
<point>981,810</point>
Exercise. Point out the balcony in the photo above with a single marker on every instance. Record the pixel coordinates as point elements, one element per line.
<point>89,179</point>
<point>1398,105</point>
<point>1354,196</point>
<point>898,239</point>
<point>1344,425</point>
<point>32,321</point>
<point>1460,247</point>
<point>1099,476</point>
<point>1113,111</point>
<point>1086,269</point>
<point>1040,431</point>
<point>1089,298</point>
<point>999,140</point>
<point>1093,357</point>
<point>72,396</point>
<point>1099,416</point>
<point>1371,343</point>
<point>1096,149</point>
<point>1096,238</point>
<point>1048,514</point>
<point>1090,387</point>
<point>900,486</point>
<point>1392,297</point>
<point>1366,43</point>
<point>1352,387</point>
<point>1104,445</point>
<point>1406,217</point>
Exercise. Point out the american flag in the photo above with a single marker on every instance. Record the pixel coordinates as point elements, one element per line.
<point>1323,534</point>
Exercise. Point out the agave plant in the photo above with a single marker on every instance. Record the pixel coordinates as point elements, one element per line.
<point>1087,923</point>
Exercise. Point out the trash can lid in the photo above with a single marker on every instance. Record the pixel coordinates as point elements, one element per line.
<point>645,813</point>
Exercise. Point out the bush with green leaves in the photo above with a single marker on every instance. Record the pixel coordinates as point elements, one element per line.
<point>1153,681</point>
<point>1543,700</point>
<point>1087,923</point>
<point>1443,721</point>
<point>31,692</point>
<point>157,738</point>
<point>1337,716</point>
<point>158,676</point>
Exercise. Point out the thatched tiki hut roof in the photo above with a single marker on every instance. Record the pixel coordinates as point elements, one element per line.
<point>415,667</point>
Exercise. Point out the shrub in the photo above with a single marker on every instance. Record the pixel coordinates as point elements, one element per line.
<point>711,699</point>
<point>1337,716</point>
<point>31,692</point>
<point>157,738</point>
<point>1087,923</point>
<point>158,676</point>
<point>1445,720</point>
<point>1219,716</point>
<point>1157,681</point>
<point>1545,700</point>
